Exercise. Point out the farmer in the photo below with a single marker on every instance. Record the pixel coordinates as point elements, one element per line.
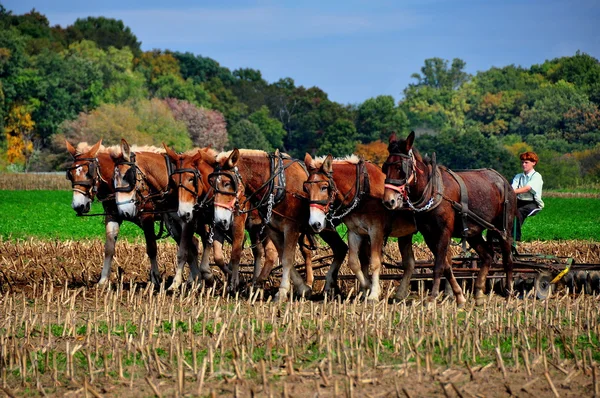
<point>528,187</point>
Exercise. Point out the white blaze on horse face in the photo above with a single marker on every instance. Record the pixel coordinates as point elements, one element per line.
<point>223,217</point>
<point>185,210</point>
<point>317,219</point>
<point>126,204</point>
<point>81,202</point>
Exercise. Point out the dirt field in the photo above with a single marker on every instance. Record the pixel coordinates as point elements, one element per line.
<point>61,334</point>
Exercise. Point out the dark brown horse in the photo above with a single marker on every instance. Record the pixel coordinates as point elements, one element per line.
<point>144,194</point>
<point>448,204</point>
<point>272,184</point>
<point>351,190</point>
<point>195,196</point>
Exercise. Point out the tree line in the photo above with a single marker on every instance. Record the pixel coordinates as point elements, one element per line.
<point>91,80</point>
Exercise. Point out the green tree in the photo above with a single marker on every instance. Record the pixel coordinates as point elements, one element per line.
<point>271,128</point>
<point>106,32</point>
<point>339,139</point>
<point>378,117</point>
<point>438,75</point>
<point>245,134</point>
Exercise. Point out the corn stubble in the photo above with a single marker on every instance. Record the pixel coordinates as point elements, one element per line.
<point>61,333</point>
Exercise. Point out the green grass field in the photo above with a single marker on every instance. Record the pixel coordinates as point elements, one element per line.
<point>48,215</point>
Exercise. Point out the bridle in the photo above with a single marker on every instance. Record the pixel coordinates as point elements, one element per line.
<point>407,165</point>
<point>132,176</point>
<point>93,175</point>
<point>237,183</point>
<point>325,204</point>
<point>201,198</point>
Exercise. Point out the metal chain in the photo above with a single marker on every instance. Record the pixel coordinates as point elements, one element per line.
<point>332,218</point>
<point>269,213</point>
<point>211,232</point>
<point>424,208</point>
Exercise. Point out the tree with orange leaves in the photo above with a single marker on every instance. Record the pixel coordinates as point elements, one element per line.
<point>19,132</point>
<point>375,151</point>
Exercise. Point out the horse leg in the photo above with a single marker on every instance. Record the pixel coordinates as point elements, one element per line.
<point>237,243</point>
<point>192,259</point>
<point>439,247</point>
<point>339,249</point>
<point>307,256</point>
<point>354,242</point>
<point>376,243</point>
<point>507,261</point>
<point>258,250</point>
<point>481,247</point>
<point>288,251</point>
<point>112,231</point>
<point>408,265</point>
<point>151,250</point>
<point>271,259</point>
<point>182,234</point>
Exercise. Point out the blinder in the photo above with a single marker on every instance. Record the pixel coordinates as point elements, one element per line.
<point>331,189</point>
<point>212,180</point>
<point>129,177</point>
<point>91,173</point>
<point>197,178</point>
<point>406,165</point>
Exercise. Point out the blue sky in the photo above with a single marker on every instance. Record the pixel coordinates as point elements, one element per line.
<point>352,49</point>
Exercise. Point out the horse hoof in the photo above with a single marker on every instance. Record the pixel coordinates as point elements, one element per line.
<point>304,291</point>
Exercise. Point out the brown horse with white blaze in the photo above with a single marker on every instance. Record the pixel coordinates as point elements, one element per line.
<point>195,198</point>
<point>352,190</point>
<point>449,204</point>
<point>143,194</point>
<point>273,185</point>
<point>91,176</point>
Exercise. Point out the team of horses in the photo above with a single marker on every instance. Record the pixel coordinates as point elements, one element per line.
<point>283,202</point>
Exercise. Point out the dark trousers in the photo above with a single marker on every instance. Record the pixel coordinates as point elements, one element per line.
<point>524,208</point>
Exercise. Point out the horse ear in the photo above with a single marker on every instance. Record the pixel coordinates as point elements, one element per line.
<point>327,164</point>
<point>171,153</point>
<point>410,141</point>
<point>125,150</point>
<point>393,137</point>
<point>308,161</point>
<point>233,158</point>
<point>71,149</point>
<point>95,149</point>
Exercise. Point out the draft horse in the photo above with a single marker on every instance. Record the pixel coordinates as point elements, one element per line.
<point>143,195</point>
<point>91,175</point>
<point>273,185</point>
<point>449,204</point>
<point>351,190</point>
<point>195,197</point>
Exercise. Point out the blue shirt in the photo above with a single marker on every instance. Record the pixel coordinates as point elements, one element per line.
<point>534,180</point>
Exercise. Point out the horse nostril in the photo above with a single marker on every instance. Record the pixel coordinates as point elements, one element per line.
<point>317,225</point>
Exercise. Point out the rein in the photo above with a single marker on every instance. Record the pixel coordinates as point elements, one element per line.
<point>201,200</point>
<point>340,211</point>
<point>140,176</point>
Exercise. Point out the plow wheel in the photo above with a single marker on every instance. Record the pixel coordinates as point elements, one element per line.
<point>543,287</point>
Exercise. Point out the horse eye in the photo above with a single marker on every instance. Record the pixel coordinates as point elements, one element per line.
<point>324,188</point>
<point>191,180</point>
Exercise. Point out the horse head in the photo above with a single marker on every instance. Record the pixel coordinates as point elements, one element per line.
<point>229,189</point>
<point>400,170</point>
<point>125,180</point>
<point>84,176</point>
<point>190,178</point>
<point>321,191</point>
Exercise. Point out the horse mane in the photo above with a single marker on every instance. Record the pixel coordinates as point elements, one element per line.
<point>115,150</point>
<point>350,159</point>
<point>209,155</point>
